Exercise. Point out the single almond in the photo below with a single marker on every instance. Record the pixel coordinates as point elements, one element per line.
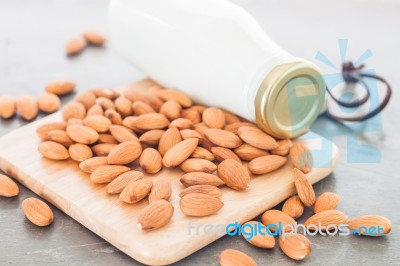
<point>370,225</point>
<point>180,152</point>
<point>106,93</point>
<point>89,165</point>
<point>136,191</point>
<point>247,152</point>
<point>106,174</point>
<point>214,117</point>
<point>27,107</point>
<point>150,121</point>
<point>258,238</point>
<point>98,122</point>
<point>232,257</point>
<point>74,110</point>
<point>125,152</point>
<point>122,134</point>
<point>38,212</point>
<point>60,87</point>
<point>301,157</point>
<point>119,183</point>
<point>296,247</point>
<point>170,138</point>
<point>222,154</point>
<point>87,98</point>
<point>257,138</point>
<point>231,118</point>
<point>80,152</point>
<point>105,103</point>
<point>326,201</point>
<point>43,130</point>
<point>283,147</point>
<point>48,102</point>
<point>191,114</point>
<point>177,96</point>
<point>123,106</point>
<point>181,123</point>
<point>235,126</point>
<point>114,116</point>
<point>94,38</point>
<point>201,153</point>
<point>323,220</point>
<point>60,136</point>
<point>202,189</point>
<point>189,133</point>
<point>156,215</point>
<point>234,174</point>
<point>200,178</point>
<point>293,207</point>
<point>304,188</point>
<point>8,188</point>
<point>151,161</point>
<point>103,149</point>
<point>272,218</point>
<point>107,139</point>
<point>75,46</point>
<point>96,109</point>
<point>222,138</point>
<point>152,137</point>
<point>266,164</point>
<point>53,150</point>
<point>171,109</point>
<point>141,108</point>
<point>161,190</point>
<point>199,108</point>
<point>7,106</point>
<point>199,204</point>
<point>198,165</point>
<point>82,134</point>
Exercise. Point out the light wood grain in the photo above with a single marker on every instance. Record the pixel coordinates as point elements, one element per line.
<point>70,190</point>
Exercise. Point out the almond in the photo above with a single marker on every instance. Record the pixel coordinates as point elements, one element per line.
<point>27,107</point>
<point>105,103</point>
<point>179,152</point>
<point>8,188</point>
<point>156,215</point>
<point>293,207</point>
<point>123,106</point>
<point>75,121</point>
<point>170,138</point>
<point>161,190</point>
<point>87,98</point>
<point>89,165</point>
<point>53,150</point>
<point>99,123</point>
<point>370,225</point>
<point>150,121</point>
<point>107,139</point>
<point>222,138</point>
<point>106,174</point>
<point>75,46</point>
<point>7,106</point>
<point>136,191</point>
<point>192,114</point>
<point>80,152</point>
<point>283,147</point>
<point>60,136</point>
<point>201,153</point>
<point>326,201</point>
<point>74,110</point>
<point>181,123</point>
<point>103,149</point>
<point>266,164</point>
<point>114,116</point>
<point>200,178</point>
<point>301,157</point>
<point>232,257</point>
<point>141,108</point>
<point>296,247</point>
<point>48,102</point>
<point>198,165</point>
<point>235,126</point>
<point>199,205</point>
<point>214,117</point>
<point>97,110</point>
<point>94,38</point>
<point>259,239</point>
<point>171,109</point>
<point>247,152</point>
<point>231,118</point>
<point>106,93</point>
<point>43,130</point>
<point>257,138</point>
<point>272,218</point>
<point>304,188</point>
<point>118,184</point>
<point>202,189</point>
<point>177,96</point>
<point>152,137</point>
<point>234,174</point>
<point>82,134</point>
<point>222,154</point>
<point>322,219</point>
<point>199,108</point>
<point>122,134</point>
<point>38,212</point>
<point>189,133</point>
<point>150,161</point>
<point>60,87</point>
<point>125,153</point>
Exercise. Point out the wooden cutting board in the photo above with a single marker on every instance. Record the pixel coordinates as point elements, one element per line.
<point>70,190</point>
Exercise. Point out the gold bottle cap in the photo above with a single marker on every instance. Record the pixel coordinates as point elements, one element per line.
<point>289,99</point>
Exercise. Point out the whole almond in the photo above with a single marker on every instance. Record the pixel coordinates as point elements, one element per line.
<point>232,257</point>
<point>189,133</point>
<point>119,183</point>
<point>266,164</point>
<point>106,93</point>
<point>38,212</point>
<point>150,160</point>
<point>89,165</point>
<point>125,153</point>
<point>141,108</point>
<point>191,114</point>
<point>48,102</point>
<point>103,149</point>
<point>122,134</point>
<point>198,165</point>
<point>202,189</point>
<point>82,134</point>
<point>199,204</point>
<point>199,108</point>
<point>99,123</point>
<point>301,157</point>
<point>150,121</point>
<point>326,201</point>
<point>106,174</point>
<point>296,247</point>
<point>96,109</point>
<point>293,207</point>
<point>75,121</point>
<point>74,110</point>
<point>214,117</point>
<point>247,152</point>
<point>94,38</point>
<point>201,153</point>
<point>60,87</point>
<point>105,103</point>
<point>171,109</point>
<point>43,130</point>
<point>170,138</point>
<point>7,106</point>
<point>8,188</point>
<point>177,96</point>
<point>60,136</point>
<point>87,98</point>
<point>156,215</point>
<point>114,116</point>
<point>222,138</point>
<point>325,218</point>
<point>274,217</point>
<point>136,191</point>
<point>152,137</point>
<point>222,154</point>
<point>161,190</point>
<point>235,126</point>
<point>304,188</point>
<point>123,106</point>
<point>200,178</point>
<point>53,150</point>
<point>283,147</point>
<point>181,123</point>
<point>257,138</point>
<point>179,152</point>
<point>107,139</point>
<point>264,240</point>
<point>370,224</point>
<point>27,107</point>
<point>231,118</point>
<point>234,174</point>
<point>75,46</point>
<point>80,152</point>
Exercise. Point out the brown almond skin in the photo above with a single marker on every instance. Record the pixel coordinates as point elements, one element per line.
<point>296,247</point>
<point>222,138</point>
<point>107,139</point>
<point>60,87</point>
<point>301,157</point>
<point>258,240</point>
<point>125,153</point>
<point>293,207</point>
<point>257,138</point>
<point>276,216</point>
<point>266,164</point>
<point>8,188</point>
<point>181,123</point>
<point>199,205</point>
<point>171,109</point>
<point>234,174</point>
<point>283,147</point>
<point>179,152</point>
<point>200,178</point>
<point>326,218</point>
<point>189,133</point>
<point>43,130</point>
<point>38,212</point>
<point>74,110</point>
<point>156,215</point>
<point>192,114</point>
<point>27,107</point>
<point>231,118</point>
<point>99,123</point>
<point>96,109</point>
<point>161,190</point>
<point>247,152</point>
<point>170,138</point>
<point>122,134</point>
<point>87,98</point>
<point>94,38</point>
<point>150,121</point>
<point>198,165</point>
<point>106,93</point>
<point>103,149</point>
<point>106,174</point>
<point>214,117</point>
<point>80,152</point>
<point>234,127</point>
<point>222,154</point>
<point>370,222</point>
<point>53,150</point>
<point>326,201</point>
<point>123,106</point>
<point>232,257</point>
<point>118,184</point>
<point>89,165</point>
<point>177,96</point>
<point>7,107</point>
<point>304,188</point>
<point>136,191</point>
<point>75,46</point>
<point>141,108</point>
<point>202,153</point>
<point>114,116</point>
<point>105,103</point>
<point>151,161</point>
<point>60,136</point>
<point>82,134</point>
<point>152,137</point>
<point>75,121</point>
<point>48,102</point>
<point>203,189</point>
